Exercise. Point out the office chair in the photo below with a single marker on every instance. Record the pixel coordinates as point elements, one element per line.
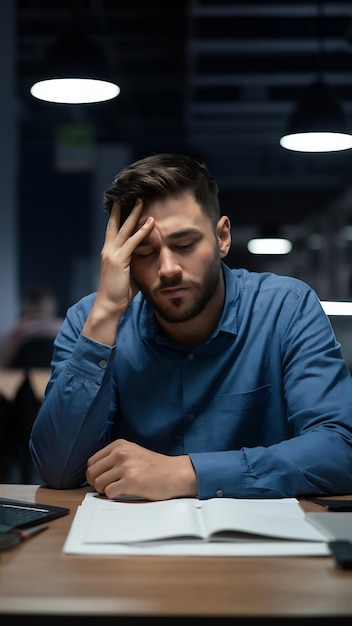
<point>36,352</point>
<point>26,405</point>
<point>8,457</point>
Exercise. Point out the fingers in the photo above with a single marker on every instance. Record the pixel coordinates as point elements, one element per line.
<point>98,472</point>
<point>130,223</point>
<point>113,224</point>
<point>104,457</point>
<point>103,468</point>
<point>128,228</point>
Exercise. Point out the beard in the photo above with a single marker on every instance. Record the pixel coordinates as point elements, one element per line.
<point>175,312</point>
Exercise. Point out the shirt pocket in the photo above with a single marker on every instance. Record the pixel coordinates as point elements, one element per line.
<point>245,400</point>
<point>243,420</point>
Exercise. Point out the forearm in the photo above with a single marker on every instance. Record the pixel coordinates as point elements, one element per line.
<point>299,466</point>
<point>102,323</point>
<point>73,421</point>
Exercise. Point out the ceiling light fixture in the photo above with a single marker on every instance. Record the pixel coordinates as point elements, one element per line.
<point>74,73</point>
<point>269,245</point>
<point>318,122</point>
<point>269,241</point>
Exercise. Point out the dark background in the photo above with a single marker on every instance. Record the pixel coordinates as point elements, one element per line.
<point>217,80</point>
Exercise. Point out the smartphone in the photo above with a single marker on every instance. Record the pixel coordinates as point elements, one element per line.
<point>333,505</point>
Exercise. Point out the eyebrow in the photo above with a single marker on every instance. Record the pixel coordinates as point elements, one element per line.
<point>180,234</point>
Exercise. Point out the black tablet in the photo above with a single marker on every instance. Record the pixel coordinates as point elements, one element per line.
<point>22,514</point>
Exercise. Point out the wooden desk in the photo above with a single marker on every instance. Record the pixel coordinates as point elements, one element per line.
<point>41,585</point>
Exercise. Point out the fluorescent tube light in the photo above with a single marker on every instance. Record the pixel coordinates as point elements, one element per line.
<point>336,308</point>
<point>269,245</point>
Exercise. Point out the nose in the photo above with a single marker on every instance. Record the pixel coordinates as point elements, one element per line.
<point>169,265</point>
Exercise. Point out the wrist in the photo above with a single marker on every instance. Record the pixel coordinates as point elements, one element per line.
<point>101,325</point>
<point>186,484</point>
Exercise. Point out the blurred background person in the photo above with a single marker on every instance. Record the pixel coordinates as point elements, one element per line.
<point>29,342</point>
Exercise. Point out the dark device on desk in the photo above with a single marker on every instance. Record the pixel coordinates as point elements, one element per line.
<point>340,548</point>
<point>21,514</point>
<point>334,505</point>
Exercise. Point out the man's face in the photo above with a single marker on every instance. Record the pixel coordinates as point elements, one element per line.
<point>177,267</point>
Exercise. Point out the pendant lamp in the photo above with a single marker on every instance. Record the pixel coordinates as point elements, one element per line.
<point>318,122</point>
<point>74,73</point>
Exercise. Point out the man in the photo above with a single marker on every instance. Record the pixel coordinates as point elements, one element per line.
<point>182,377</point>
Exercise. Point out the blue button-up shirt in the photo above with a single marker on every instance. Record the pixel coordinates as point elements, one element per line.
<point>263,407</point>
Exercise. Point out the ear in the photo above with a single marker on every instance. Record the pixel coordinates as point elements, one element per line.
<point>223,235</point>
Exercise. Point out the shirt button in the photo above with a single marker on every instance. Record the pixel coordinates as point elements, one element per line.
<point>219,493</point>
<point>103,364</point>
<point>191,416</point>
<point>190,357</point>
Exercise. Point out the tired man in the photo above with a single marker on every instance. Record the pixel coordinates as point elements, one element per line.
<point>183,377</point>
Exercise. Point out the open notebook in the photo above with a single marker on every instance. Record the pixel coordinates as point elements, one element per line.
<point>192,527</point>
<point>22,514</point>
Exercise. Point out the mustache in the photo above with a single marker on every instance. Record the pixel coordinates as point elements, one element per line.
<point>169,283</point>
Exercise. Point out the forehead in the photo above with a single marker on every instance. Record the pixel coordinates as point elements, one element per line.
<point>176,212</point>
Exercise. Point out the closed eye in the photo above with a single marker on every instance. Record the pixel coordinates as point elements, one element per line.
<point>184,246</point>
<point>181,243</point>
<point>143,252</point>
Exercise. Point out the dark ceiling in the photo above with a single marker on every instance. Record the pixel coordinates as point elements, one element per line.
<point>216,79</point>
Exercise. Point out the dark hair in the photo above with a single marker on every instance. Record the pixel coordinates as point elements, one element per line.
<point>160,176</point>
